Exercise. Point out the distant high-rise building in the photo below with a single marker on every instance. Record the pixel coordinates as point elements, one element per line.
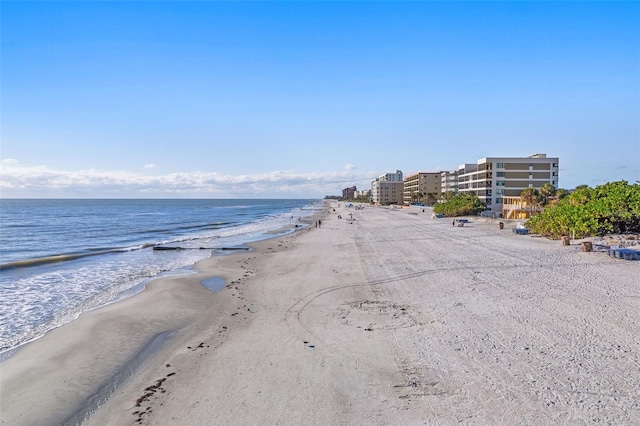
<point>366,194</point>
<point>349,193</point>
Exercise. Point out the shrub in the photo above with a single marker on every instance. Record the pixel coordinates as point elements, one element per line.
<point>610,208</point>
<point>460,205</point>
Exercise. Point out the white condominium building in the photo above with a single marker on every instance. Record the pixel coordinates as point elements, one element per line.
<point>493,178</point>
<point>388,188</point>
<point>449,181</point>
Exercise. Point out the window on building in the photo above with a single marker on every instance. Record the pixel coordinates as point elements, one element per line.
<point>499,191</point>
<point>499,200</point>
<point>499,183</point>
<point>500,165</point>
<point>500,174</point>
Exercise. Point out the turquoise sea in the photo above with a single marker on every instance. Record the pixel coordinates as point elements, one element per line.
<point>59,258</point>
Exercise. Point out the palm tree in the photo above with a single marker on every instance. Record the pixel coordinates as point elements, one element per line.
<point>547,190</point>
<point>431,198</point>
<point>530,196</point>
<point>561,193</point>
<point>414,197</point>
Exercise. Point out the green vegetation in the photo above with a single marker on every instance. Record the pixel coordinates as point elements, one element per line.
<point>364,200</point>
<point>610,208</point>
<point>561,193</point>
<point>532,197</point>
<point>430,199</point>
<point>447,196</point>
<point>546,192</point>
<point>425,198</point>
<point>460,205</point>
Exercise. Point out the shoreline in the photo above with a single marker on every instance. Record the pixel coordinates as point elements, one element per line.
<point>83,356</point>
<point>87,268</point>
<point>391,318</point>
<point>51,358</point>
<point>185,270</point>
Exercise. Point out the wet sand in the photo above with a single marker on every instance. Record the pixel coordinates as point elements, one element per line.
<point>394,318</point>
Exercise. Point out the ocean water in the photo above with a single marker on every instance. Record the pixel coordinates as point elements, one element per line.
<point>59,258</point>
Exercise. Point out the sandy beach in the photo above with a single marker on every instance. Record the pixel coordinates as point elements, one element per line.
<point>392,318</point>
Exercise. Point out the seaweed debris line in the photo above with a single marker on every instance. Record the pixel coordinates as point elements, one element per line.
<point>175,248</point>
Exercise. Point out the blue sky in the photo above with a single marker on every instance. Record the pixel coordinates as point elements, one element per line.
<point>301,99</point>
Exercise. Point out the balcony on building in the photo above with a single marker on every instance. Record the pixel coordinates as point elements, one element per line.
<point>517,208</point>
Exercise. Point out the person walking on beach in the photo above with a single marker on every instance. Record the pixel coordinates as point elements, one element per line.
<point>319,224</point>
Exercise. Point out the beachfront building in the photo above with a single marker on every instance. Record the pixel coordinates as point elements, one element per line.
<point>494,178</point>
<point>349,193</point>
<point>464,173</point>
<point>422,187</point>
<point>448,182</point>
<point>387,189</point>
<point>364,194</point>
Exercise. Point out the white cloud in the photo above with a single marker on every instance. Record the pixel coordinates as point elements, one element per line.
<point>41,181</point>
<point>350,167</point>
<point>150,166</point>
<point>8,162</point>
